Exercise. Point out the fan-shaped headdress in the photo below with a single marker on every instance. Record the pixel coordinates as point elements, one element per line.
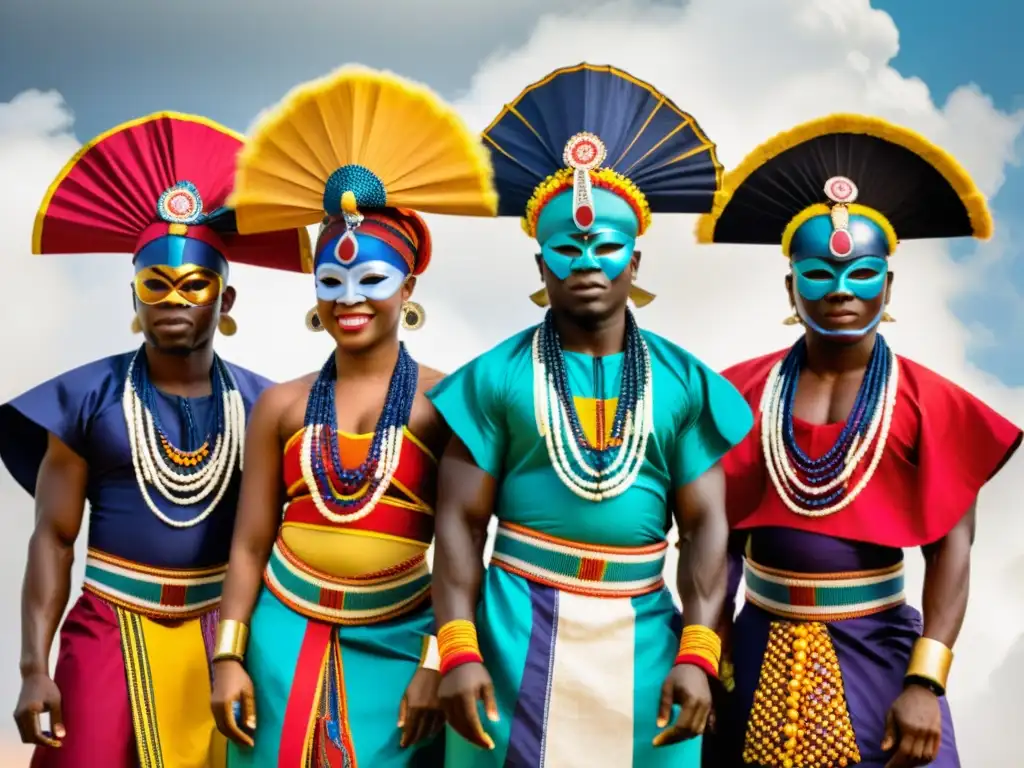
<point>360,151</point>
<point>589,150</point>
<point>845,186</point>
<point>156,188</point>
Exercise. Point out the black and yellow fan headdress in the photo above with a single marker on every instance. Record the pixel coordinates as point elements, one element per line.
<point>844,184</point>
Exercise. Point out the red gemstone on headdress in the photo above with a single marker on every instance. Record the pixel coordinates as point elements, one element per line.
<point>841,244</point>
<point>584,216</point>
<point>347,248</point>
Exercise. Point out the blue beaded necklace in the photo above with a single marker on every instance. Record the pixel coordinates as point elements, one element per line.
<point>634,374</point>
<point>197,444</point>
<point>353,488</point>
<point>869,399</point>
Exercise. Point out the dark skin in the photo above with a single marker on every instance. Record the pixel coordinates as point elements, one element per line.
<point>366,359</point>
<point>827,389</point>
<point>179,351</point>
<point>590,313</point>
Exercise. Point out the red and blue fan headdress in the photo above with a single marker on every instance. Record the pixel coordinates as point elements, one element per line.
<point>156,188</point>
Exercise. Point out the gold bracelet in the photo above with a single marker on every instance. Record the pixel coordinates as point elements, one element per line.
<point>232,637</point>
<point>430,656</point>
<point>930,660</point>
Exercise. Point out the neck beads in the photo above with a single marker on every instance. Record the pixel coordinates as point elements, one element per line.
<point>205,466</point>
<point>346,495</point>
<point>820,487</point>
<point>593,473</point>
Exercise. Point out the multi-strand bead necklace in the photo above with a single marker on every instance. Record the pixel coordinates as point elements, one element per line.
<point>205,466</point>
<point>819,487</point>
<point>593,473</point>
<point>347,495</point>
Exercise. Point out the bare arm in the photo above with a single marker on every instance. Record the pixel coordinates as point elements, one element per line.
<point>947,578</point>
<point>703,539</point>
<point>259,508</point>
<point>60,507</point>
<point>465,503</point>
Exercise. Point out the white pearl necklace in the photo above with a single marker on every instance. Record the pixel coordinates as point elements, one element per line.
<point>392,451</point>
<point>183,490</point>
<point>780,469</point>
<point>553,425</point>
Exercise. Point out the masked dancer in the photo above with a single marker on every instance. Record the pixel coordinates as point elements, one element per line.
<point>859,454</point>
<point>326,643</point>
<point>152,440</point>
<point>582,435</point>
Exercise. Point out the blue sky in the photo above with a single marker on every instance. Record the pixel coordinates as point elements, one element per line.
<point>113,61</point>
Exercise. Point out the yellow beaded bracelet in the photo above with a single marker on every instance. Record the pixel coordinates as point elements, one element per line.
<point>700,646</point>
<point>457,645</point>
<point>232,638</point>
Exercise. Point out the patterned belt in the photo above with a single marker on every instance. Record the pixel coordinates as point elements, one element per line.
<point>365,600</point>
<point>584,569</point>
<point>823,596</point>
<point>162,593</point>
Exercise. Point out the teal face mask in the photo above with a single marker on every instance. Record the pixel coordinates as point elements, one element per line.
<point>864,277</point>
<point>609,243</point>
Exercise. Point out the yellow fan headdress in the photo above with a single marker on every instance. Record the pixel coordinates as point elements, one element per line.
<point>363,146</point>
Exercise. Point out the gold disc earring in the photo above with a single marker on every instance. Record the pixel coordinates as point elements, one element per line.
<point>793,319</point>
<point>227,325</point>
<point>413,316</point>
<point>887,318</point>
<point>136,325</point>
<point>313,321</point>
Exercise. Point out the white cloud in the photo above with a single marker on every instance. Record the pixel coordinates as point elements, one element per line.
<point>746,69</point>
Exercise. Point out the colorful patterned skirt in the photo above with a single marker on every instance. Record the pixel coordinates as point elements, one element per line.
<point>838,608</point>
<point>135,688</point>
<point>330,660</point>
<point>578,641</point>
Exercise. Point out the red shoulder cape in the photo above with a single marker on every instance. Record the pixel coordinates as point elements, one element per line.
<point>944,445</point>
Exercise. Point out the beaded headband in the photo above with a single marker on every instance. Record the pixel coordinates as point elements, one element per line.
<point>583,155</point>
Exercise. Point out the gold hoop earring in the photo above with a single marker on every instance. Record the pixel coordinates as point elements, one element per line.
<point>413,316</point>
<point>227,325</point>
<point>136,325</point>
<point>313,322</point>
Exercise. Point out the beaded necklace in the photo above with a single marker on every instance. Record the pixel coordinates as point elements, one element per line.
<point>819,487</point>
<point>593,473</point>
<point>354,492</point>
<point>189,475</point>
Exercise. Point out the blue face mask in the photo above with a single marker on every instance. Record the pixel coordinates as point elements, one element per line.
<point>608,245</point>
<point>375,274</point>
<point>864,278</point>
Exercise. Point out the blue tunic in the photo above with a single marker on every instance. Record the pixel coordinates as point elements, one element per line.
<point>83,409</point>
<point>565,665</point>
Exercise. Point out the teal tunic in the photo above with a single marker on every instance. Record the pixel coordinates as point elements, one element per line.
<point>698,417</point>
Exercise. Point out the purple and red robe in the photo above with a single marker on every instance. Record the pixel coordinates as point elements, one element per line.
<point>133,666</point>
<point>836,582</point>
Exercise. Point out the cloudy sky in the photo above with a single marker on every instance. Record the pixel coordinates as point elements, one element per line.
<point>745,68</point>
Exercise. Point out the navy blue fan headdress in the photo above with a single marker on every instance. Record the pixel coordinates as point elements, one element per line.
<point>632,139</point>
<point>591,149</point>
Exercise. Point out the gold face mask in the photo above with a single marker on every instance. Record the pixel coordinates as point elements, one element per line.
<point>189,285</point>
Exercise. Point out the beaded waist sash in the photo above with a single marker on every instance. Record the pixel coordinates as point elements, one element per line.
<point>823,596</point>
<point>584,569</point>
<point>162,593</point>
<point>366,600</point>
